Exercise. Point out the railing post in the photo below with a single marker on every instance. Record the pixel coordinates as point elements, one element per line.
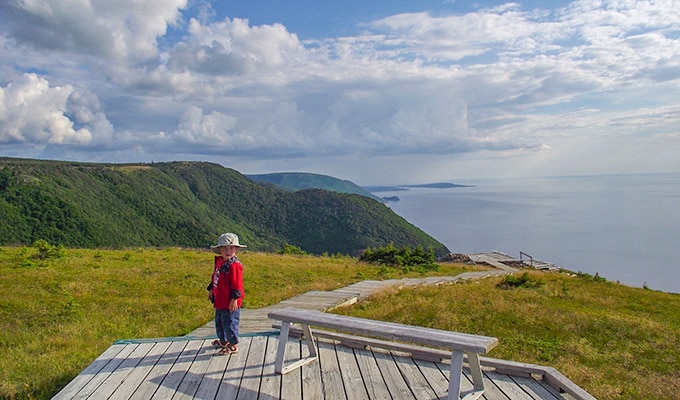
<point>531,259</point>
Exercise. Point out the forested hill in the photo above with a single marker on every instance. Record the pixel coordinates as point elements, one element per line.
<point>301,180</point>
<point>186,204</point>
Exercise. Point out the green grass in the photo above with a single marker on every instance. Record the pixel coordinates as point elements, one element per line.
<point>614,341</point>
<point>59,313</point>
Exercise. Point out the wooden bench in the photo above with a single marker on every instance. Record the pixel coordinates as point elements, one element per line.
<point>460,344</point>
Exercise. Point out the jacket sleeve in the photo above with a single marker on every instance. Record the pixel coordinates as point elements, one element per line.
<point>236,280</point>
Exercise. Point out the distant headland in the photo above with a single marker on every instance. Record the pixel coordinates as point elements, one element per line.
<point>399,188</point>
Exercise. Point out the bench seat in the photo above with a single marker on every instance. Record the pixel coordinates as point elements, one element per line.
<point>459,344</point>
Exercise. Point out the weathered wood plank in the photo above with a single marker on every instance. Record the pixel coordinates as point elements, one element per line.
<point>414,378</point>
<point>556,379</point>
<point>231,380</point>
<point>512,367</point>
<point>554,391</point>
<point>141,370</point>
<point>536,389</point>
<point>104,373</point>
<point>270,387</point>
<point>212,378</point>
<point>330,372</point>
<point>122,372</point>
<point>351,374</point>
<point>396,384</point>
<point>73,387</point>
<point>508,386</point>
<point>252,373</point>
<point>438,379</point>
<point>291,383</point>
<point>491,392</point>
<point>177,372</point>
<point>195,373</point>
<point>312,388</point>
<point>158,372</point>
<point>373,379</point>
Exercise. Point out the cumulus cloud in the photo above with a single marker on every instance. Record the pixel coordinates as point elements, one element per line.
<point>233,47</point>
<point>173,80</point>
<point>212,129</point>
<point>32,111</point>
<point>36,115</point>
<point>121,29</point>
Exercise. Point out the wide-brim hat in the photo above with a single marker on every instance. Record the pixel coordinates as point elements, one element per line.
<point>226,239</point>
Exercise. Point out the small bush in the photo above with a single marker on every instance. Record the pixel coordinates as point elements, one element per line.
<point>594,278</point>
<point>523,281</point>
<point>292,250</point>
<point>46,250</point>
<point>405,258</point>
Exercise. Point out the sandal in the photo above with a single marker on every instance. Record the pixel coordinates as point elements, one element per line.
<point>228,349</point>
<point>217,343</point>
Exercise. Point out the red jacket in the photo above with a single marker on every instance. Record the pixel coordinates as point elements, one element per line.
<point>227,282</point>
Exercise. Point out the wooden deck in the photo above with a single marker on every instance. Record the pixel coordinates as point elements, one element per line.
<point>190,369</point>
<point>349,367</point>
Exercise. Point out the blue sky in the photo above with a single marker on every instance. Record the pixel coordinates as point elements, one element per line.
<point>377,92</point>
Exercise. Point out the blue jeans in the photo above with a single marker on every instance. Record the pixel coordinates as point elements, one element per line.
<point>226,325</point>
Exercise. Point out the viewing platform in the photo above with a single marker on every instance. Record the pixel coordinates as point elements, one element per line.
<point>503,261</point>
<point>347,367</point>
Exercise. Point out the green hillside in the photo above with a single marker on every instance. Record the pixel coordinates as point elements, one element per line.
<point>294,181</point>
<point>186,204</point>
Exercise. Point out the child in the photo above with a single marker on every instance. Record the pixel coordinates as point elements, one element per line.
<point>225,291</point>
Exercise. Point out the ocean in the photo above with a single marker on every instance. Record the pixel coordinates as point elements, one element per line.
<point>624,228</point>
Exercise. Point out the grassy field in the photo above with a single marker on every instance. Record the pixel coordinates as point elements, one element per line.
<point>614,341</point>
<point>58,314</point>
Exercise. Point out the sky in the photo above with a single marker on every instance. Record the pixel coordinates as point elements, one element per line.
<point>376,92</point>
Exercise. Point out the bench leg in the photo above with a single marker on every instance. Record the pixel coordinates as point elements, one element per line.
<point>309,339</point>
<point>456,376</point>
<point>281,350</point>
<point>476,371</point>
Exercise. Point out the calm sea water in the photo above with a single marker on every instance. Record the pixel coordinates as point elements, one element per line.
<point>625,228</point>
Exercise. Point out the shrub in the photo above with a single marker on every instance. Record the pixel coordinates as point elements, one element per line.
<point>292,250</point>
<point>514,281</point>
<point>46,250</point>
<point>404,257</point>
<point>594,278</point>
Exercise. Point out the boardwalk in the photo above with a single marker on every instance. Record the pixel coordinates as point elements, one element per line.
<point>348,368</point>
<point>256,321</point>
<point>190,369</point>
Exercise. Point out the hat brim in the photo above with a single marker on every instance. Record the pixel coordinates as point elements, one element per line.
<point>216,249</point>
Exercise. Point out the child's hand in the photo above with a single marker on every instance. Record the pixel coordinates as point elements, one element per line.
<point>233,305</point>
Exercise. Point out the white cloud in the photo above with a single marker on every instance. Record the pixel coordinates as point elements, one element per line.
<point>233,47</point>
<point>32,111</point>
<point>122,29</point>
<point>149,77</point>
<point>212,129</point>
